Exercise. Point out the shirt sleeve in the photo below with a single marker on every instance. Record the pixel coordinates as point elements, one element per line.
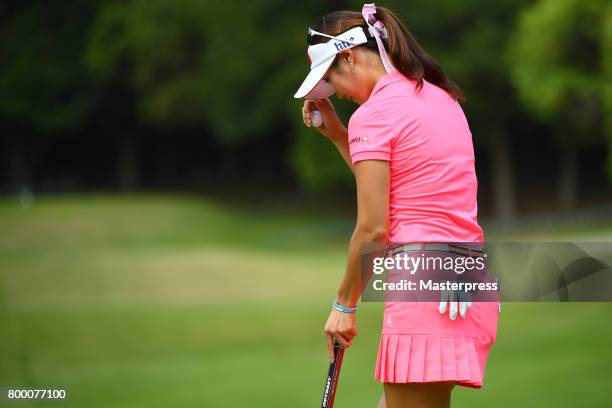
<point>370,136</point>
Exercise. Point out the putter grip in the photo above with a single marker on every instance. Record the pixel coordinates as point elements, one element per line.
<point>329,392</point>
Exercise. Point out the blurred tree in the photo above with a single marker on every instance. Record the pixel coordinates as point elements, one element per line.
<point>43,86</point>
<point>225,67</point>
<point>558,47</point>
<point>607,80</point>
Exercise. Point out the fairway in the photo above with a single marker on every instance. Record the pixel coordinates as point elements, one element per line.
<point>162,300</point>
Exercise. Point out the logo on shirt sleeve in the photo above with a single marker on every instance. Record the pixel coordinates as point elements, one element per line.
<point>358,139</point>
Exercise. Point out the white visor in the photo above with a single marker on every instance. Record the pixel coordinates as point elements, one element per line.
<point>321,57</point>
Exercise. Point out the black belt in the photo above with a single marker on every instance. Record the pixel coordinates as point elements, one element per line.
<point>439,246</point>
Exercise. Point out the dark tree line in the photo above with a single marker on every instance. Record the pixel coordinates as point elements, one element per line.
<point>175,93</point>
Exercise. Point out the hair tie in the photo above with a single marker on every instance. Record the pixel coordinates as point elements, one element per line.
<point>378,30</point>
<point>377,25</point>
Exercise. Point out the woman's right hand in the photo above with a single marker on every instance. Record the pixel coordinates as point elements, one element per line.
<point>332,127</point>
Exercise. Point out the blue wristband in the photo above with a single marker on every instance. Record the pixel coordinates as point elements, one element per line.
<point>342,308</point>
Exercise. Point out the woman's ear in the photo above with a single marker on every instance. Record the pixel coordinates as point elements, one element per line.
<point>348,58</point>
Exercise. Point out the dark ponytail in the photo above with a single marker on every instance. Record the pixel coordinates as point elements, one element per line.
<point>402,48</point>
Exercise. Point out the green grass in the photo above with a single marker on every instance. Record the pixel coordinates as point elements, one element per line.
<point>157,301</point>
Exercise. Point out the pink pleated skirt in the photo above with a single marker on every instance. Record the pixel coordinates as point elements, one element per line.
<point>418,344</point>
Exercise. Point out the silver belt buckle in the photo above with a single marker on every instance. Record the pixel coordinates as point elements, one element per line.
<point>437,246</point>
<point>406,248</point>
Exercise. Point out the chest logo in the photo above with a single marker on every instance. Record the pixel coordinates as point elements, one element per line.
<point>358,139</point>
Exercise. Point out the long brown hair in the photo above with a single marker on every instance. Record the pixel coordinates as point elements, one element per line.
<point>404,51</point>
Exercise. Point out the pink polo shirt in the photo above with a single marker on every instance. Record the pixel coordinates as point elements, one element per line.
<point>427,141</point>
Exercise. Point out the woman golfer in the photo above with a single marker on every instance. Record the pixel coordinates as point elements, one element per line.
<point>410,148</point>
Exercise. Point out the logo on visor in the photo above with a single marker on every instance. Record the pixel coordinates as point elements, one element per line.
<point>340,45</point>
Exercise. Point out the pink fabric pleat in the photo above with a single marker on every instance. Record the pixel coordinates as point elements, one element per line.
<point>408,358</point>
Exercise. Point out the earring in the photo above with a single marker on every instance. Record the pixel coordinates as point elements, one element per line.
<point>351,66</point>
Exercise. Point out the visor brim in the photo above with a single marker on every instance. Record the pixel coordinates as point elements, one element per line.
<point>313,87</point>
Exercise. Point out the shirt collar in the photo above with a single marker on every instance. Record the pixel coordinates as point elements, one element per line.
<point>387,79</point>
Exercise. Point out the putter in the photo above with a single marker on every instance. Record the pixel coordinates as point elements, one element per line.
<point>329,392</point>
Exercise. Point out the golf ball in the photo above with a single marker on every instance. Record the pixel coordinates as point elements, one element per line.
<point>316,118</point>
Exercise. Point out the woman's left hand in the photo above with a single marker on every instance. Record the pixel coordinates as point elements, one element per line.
<point>458,300</point>
<point>341,326</point>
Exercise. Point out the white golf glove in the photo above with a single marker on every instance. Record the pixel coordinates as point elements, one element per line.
<point>459,302</point>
